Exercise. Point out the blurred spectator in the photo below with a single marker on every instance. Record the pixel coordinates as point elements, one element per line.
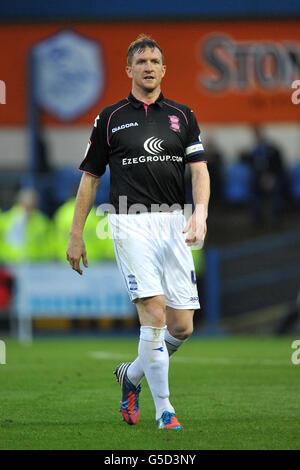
<point>25,232</point>
<point>6,288</point>
<point>237,183</point>
<point>98,249</point>
<point>269,177</point>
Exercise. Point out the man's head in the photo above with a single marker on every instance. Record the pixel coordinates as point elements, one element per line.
<point>139,45</point>
<point>145,64</point>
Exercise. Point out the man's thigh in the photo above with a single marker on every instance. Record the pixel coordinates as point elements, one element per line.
<point>152,311</point>
<point>138,255</point>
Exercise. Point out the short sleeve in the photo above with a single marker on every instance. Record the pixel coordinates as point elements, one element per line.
<point>194,151</point>
<point>97,151</point>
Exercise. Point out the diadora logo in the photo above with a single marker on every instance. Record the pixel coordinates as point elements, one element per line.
<point>153,145</point>
<point>124,126</point>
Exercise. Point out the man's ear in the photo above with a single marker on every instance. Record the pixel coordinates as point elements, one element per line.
<point>128,71</point>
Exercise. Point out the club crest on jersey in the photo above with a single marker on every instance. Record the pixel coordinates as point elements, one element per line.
<point>174,123</point>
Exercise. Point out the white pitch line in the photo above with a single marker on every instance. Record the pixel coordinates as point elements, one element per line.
<point>106,355</point>
<point>198,360</point>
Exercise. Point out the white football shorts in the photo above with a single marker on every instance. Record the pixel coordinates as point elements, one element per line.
<point>153,257</point>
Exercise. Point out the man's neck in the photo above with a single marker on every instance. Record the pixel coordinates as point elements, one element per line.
<point>146,97</point>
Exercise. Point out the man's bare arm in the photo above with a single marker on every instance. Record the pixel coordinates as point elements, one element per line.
<point>84,201</point>
<point>196,225</point>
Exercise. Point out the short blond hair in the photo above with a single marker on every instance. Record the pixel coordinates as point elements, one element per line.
<point>142,42</point>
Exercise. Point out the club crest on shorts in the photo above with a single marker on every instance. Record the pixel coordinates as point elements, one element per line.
<point>193,277</point>
<point>132,282</point>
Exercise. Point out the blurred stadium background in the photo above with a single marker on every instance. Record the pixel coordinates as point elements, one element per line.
<point>234,64</point>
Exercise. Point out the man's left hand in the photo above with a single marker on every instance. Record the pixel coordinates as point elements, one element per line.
<point>196,228</point>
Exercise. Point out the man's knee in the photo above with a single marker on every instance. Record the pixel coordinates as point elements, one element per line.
<point>181,332</point>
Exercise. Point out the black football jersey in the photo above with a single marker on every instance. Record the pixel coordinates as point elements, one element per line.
<point>146,148</point>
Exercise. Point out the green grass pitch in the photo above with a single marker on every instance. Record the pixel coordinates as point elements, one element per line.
<point>229,393</point>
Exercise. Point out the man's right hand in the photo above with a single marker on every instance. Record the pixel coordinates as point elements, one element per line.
<point>76,251</point>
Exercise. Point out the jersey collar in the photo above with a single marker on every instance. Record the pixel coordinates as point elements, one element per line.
<point>137,103</point>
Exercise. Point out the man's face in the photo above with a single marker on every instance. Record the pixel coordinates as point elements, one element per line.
<point>146,69</point>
